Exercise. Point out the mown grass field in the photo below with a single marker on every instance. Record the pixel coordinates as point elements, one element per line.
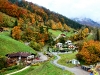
<point>68,34</point>
<point>55,33</point>
<point>45,69</point>
<point>66,57</point>
<point>9,45</point>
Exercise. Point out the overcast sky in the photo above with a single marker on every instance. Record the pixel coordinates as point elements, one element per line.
<point>73,8</point>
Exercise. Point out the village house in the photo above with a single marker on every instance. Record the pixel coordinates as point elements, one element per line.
<point>76,62</point>
<point>68,46</point>
<point>59,45</point>
<point>15,58</point>
<point>68,42</point>
<point>72,47</point>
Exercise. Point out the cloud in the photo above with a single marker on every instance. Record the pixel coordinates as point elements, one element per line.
<point>73,8</point>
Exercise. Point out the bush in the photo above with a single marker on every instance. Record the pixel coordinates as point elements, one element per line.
<point>36,46</point>
<point>13,67</point>
<point>3,63</point>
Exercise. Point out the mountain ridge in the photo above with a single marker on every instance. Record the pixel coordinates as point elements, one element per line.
<point>87,21</point>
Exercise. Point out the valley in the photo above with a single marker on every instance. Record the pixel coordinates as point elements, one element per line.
<point>35,40</point>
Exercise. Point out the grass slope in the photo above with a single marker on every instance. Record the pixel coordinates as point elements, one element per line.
<point>66,57</point>
<point>46,69</point>
<point>55,33</point>
<point>9,45</point>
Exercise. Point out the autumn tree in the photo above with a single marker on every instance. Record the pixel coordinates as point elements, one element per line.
<point>36,46</point>
<point>54,26</point>
<point>85,32</point>
<point>1,19</point>
<point>59,26</point>
<point>66,27</point>
<point>16,33</point>
<point>28,34</point>
<point>90,52</point>
<point>80,35</point>
<point>41,29</point>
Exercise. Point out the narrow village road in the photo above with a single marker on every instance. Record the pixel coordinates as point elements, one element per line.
<point>75,70</point>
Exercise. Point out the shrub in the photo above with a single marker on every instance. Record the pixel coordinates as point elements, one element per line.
<point>2,62</point>
<point>36,46</point>
<point>12,67</point>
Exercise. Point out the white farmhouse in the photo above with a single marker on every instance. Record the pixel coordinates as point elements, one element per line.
<point>68,42</point>
<point>74,61</point>
<point>59,45</point>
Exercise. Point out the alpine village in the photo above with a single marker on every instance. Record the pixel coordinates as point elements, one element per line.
<point>37,41</point>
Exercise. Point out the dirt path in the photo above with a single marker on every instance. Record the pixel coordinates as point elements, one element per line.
<point>18,70</point>
<point>42,57</point>
<point>75,70</point>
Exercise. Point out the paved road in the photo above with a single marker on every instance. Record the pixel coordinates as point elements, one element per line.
<point>75,70</point>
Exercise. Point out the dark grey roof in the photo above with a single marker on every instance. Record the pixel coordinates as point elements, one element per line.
<point>19,54</point>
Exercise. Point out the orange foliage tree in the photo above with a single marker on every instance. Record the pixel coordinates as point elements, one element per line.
<point>12,9</point>
<point>80,35</point>
<point>66,27</point>
<point>90,52</point>
<point>1,19</point>
<point>59,26</point>
<point>16,33</point>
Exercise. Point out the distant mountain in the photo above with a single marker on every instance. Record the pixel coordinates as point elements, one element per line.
<point>87,21</point>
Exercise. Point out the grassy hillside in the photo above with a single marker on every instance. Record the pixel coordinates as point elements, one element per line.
<point>56,33</point>
<point>67,57</point>
<point>46,69</point>
<point>9,45</point>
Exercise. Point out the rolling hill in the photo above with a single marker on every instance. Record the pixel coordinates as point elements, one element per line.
<point>9,45</point>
